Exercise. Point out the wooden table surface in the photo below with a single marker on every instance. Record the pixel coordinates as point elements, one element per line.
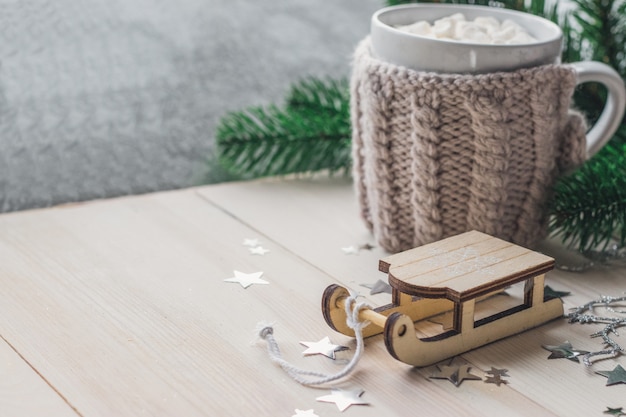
<point>120,308</point>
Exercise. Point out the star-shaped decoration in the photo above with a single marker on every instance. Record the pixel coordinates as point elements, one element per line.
<point>323,347</point>
<point>378,287</point>
<point>548,292</point>
<point>455,374</point>
<point>251,243</point>
<point>564,351</point>
<point>616,376</point>
<point>350,250</point>
<point>259,250</point>
<point>615,411</point>
<point>246,279</point>
<point>498,372</point>
<point>495,379</point>
<point>344,398</point>
<point>305,413</point>
<point>495,376</point>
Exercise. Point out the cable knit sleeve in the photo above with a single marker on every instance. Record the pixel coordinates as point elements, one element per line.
<point>439,154</point>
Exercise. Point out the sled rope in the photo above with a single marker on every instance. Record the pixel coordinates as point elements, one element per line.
<point>311,378</point>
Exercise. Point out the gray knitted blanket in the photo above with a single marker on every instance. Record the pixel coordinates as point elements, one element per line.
<point>437,155</point>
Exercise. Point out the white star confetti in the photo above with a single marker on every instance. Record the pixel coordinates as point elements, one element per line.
<point>305,413</point>
<point>350,250</point>
<point>251,242</point>
<point>323,347</point>
<point>246,279</point>
<point>259,250</point>
<point>343,398</point>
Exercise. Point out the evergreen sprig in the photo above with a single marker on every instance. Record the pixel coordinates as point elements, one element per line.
<point>589,207</point>
<point>311,133</point>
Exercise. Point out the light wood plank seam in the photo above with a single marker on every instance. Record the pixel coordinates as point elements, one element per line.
<point>269,239</point>
<point>65,399</point>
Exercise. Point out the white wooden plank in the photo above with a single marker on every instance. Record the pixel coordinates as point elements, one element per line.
<point>313,218</point>
<point>122,307</point>
<point>23,392</point>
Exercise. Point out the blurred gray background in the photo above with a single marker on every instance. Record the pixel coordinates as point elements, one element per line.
<point>101,98</point>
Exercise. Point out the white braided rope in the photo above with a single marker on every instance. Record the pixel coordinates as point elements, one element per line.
<point>300,375</point>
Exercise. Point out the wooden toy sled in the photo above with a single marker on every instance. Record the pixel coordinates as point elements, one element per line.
<point>452,296</point>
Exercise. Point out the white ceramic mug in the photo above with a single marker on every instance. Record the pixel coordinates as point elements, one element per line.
<point>446,56</point>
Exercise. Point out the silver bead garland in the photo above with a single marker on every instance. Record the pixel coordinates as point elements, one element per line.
<point>585,314</point>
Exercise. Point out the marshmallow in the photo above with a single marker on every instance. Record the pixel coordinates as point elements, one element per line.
<point>484,30</point>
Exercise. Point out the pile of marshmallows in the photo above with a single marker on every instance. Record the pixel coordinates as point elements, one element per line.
<point>484,30</point>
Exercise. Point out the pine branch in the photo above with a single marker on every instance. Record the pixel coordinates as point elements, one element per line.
<point>311,133</point>
<point>589,208</point>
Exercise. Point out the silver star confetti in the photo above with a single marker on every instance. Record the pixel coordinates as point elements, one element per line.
<point>246,279</point>
<point>378,287</point>
<point>344,398</point>
<point>495,379</point>
<point>496,371</point>
<point>350,250</point>
<point>455,374</point>
<point>495,376</point>
<point>548,292</point>
<point>305,413</point>
<point>616,376</point>
<point>615,411</point>
<point>259,250</point>
<point>564,351</point>
<point>323,347</point>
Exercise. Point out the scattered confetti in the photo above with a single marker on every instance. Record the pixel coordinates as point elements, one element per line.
<point>548,292</point>
<point>615,411</point>
<point>495,379</point>
<point>323,347</point>
<point>496,371</point>
<point>259,250</point>
<point>455,374</point>
<point>305,413</point>
<point>378,287</point>
<point>247,279</point>
<point>350,250</point>
<point>251,242</point>
<point>616,376</point>
<point>495,376</point>
<point>564,351</point>
<point>344,398</point>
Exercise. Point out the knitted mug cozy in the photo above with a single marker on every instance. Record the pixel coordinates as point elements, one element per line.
<point>436,155</point>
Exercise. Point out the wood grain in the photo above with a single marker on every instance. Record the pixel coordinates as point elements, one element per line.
<point>120,305</point>
<point>23,392</point>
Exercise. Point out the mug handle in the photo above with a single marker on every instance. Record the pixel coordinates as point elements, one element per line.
<point>611,117</point>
